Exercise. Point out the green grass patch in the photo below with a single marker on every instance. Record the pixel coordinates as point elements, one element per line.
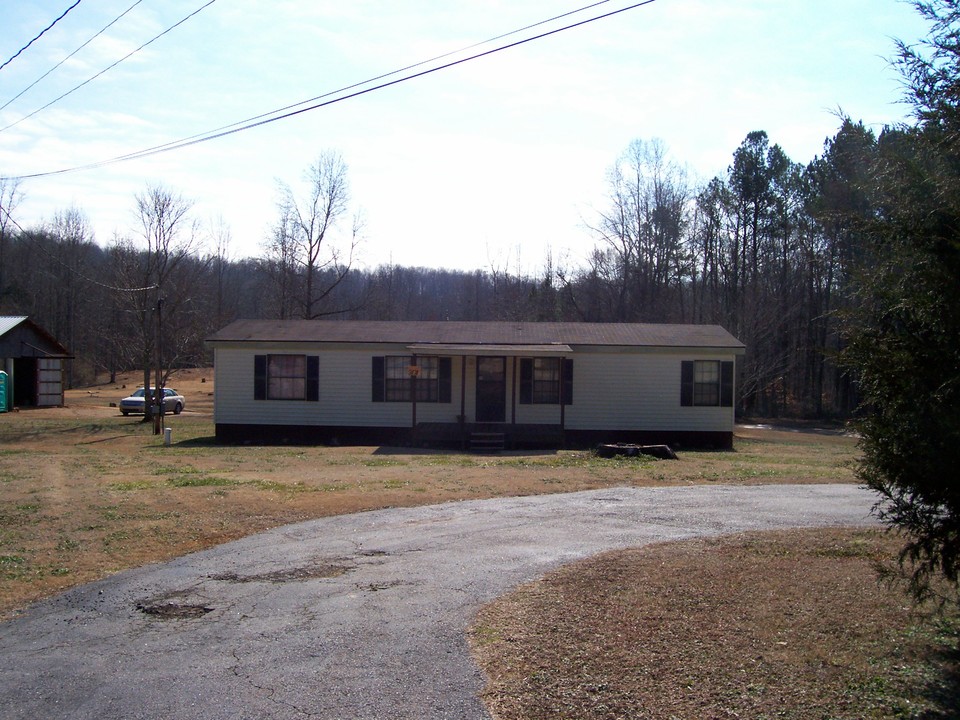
<point>297,487</point>
<point>333,487</point>
<point>67,545</point>
<point>131,485</point>
<point>174,470</point>
<point>383,462</point>
<point>201,480</point>
<point>13,567</point>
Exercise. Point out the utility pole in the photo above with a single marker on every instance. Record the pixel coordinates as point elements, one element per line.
<point>158,386</point>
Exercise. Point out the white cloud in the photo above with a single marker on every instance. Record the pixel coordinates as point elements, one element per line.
<point>463,165</point>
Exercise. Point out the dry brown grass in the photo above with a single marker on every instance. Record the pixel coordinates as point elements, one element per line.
<point>786,625</point>
<point>765,625</point>
<point>85,492</point>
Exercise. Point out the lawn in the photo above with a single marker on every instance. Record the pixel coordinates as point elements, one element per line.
<point>764,625</point>
<point>85,492</point>
<point>720,628</point>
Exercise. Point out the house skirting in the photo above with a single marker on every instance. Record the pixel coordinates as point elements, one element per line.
<point>457,435</point>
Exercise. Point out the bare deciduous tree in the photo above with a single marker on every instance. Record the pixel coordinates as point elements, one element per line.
<point>644,227</point>
<point>10,197</point>
<point>148,271</point>
<point>308,238</point>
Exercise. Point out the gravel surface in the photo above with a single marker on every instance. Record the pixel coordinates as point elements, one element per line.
<point>356,616</point>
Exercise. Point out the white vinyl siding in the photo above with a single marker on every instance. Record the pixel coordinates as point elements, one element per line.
<point>637,391</point>
<point>632,389</point>
<point>344,392</point>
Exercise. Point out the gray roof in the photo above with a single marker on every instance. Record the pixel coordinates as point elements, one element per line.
<point>22,337</point>
<point>9,322</point>
<point>478,333</point>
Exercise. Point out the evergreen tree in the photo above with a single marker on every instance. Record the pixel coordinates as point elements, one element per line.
<point>905,333</point>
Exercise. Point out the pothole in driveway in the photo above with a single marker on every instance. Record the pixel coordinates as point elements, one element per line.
<point>173,610</point>
<point>308,572</point>
<point>378,586</point>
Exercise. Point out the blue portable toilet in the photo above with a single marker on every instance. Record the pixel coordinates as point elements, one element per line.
<point>3,391</point>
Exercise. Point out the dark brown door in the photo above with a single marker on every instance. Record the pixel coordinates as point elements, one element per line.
<point>491,389</point>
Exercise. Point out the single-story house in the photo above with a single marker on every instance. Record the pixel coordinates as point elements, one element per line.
<point>33,362</point>
<point>474,383</point>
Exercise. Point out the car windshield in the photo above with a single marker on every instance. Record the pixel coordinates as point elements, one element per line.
<point>138,393</point>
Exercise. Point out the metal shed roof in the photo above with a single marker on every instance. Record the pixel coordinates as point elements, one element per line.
<point>29,340</point>
<point>434,333</point>
<point>9,322</point>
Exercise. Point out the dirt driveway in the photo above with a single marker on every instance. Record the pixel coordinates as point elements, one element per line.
<point>356,616</point>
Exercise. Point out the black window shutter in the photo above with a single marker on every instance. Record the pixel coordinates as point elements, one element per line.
<point>313,378</point>
<point>259,377</point>
<point>726,384</point>
<point>686,382</point>
<point>444,374</point>
<point>567,390</point>
<point>526,381</point>
<point>378,373</point>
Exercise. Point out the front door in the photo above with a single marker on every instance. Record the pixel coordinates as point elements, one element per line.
<point>491,389</point>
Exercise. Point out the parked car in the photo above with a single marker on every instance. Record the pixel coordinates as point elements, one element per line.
<point>172,402</point>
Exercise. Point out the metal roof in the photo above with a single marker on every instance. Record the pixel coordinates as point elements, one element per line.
<point>9,322</point>
<point>53,348</point>
<point>477,333</point>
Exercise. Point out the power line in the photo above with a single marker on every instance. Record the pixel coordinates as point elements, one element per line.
<point>39,246</point>
<point>272,117</point>
<point>109,67</point>
<point>98,34</point>
<point>354,85</point>
<point>17,53</point>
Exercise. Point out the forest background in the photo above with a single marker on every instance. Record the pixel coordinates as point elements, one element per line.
<point>770,251</point>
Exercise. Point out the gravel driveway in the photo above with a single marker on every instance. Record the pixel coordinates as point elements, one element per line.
<point>357,616</point>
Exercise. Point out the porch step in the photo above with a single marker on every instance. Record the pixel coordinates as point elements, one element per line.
<point>487,441</point>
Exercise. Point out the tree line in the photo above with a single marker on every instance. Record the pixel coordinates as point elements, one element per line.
<point>766,250</point>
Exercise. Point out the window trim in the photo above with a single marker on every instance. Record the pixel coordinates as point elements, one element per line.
<point>435,388</point>
<point>311,378</point>
<point>692,390</point>
<point>562,386</point>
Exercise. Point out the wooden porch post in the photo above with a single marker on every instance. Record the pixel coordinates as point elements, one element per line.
<point>463,402</point>
<point>413,393</point>
<point>513,392</point>
<point>563,406</point>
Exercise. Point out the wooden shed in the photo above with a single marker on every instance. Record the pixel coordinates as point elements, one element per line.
<point>33,361</point>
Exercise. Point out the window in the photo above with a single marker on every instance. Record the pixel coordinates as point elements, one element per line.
<point>402,377</point>
<point>543,379</point>
<point>706,383</point>
<point>286,377</point>
<point>397,377</point>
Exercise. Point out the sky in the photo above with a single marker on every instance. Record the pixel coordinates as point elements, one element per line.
<point>493,164</point>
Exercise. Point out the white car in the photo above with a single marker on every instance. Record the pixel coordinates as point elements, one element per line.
<point>172,402</point>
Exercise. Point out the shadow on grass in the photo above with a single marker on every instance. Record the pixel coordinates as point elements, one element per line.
<point>394,450</point>
<point>944,691</point>
<point>205,442</point>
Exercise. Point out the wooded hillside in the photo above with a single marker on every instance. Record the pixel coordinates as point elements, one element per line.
<point>770,250</point>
